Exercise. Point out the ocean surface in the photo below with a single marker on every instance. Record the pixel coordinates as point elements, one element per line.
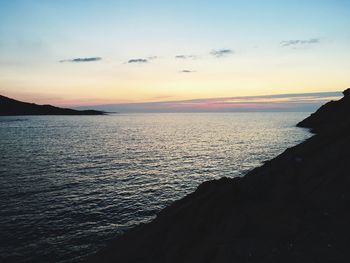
<point>70,184</point>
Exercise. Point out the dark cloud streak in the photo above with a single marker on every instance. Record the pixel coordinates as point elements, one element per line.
<point>221,52</point>
<point>138,60</point>
<point>298,42</point>
<point>187,71</point>
<point>186,57</point>
<point>77,60</point>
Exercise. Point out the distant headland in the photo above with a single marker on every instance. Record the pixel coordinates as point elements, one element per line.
<point>11,107</point>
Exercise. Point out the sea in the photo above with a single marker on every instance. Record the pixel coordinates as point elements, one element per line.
<point>71,184</point>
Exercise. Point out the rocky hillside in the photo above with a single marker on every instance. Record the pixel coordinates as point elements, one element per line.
<point>294,208</point>
<point>329,116</point>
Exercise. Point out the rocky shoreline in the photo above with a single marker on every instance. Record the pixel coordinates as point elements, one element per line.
<point>294,208</point>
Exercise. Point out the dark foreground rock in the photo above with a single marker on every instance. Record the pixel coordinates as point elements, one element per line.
<point>294,208</point>
<point>11,107</point>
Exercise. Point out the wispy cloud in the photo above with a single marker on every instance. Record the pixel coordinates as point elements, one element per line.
<point>142,60</point>
<point>221,52</point>
<point>89,59</point>
<point>185,56</point>
<point>278,102</point>
<point>138,60</point>
<point>187,71</point>
<point>299,42</point>
<point>161,97</point>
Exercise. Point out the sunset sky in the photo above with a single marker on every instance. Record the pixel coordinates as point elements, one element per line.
<point>76,53</point>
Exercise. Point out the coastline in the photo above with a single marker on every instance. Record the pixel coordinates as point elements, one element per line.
<point>294,208</point>
<point>11,107</point>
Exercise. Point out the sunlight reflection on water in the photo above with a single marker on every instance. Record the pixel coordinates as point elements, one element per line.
<point>69,184</point>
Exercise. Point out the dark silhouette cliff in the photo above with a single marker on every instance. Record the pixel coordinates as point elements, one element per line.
<point>329,116</point>
<point>294,208</point>
<point>10,107</point>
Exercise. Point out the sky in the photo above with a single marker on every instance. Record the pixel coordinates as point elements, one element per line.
<point>302,102</point>
<point>79,53</point>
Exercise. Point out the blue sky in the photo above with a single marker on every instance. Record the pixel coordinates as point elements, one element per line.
<point>275,47</point>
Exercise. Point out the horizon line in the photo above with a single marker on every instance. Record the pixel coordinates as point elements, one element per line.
<point>273,102</point>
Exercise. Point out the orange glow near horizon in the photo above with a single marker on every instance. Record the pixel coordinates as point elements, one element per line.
<point>76,90</point>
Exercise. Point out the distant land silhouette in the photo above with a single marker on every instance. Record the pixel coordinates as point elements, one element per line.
<point>11,107</point>
<point>294,208</point>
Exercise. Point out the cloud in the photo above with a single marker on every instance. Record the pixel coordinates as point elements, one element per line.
<point>90,59</point>
<point>187,71</point>
<point>221,52</point>
<point>277,102</point>
<point>138,60</point>
<point>162,97</point>
<point>142,60</point>
<point>185,57</point>
<point>298,42</point>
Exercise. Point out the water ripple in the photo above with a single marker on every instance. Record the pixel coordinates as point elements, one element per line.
<point>69,184</point>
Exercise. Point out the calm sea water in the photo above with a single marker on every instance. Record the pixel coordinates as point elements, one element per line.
<point>69,184</point>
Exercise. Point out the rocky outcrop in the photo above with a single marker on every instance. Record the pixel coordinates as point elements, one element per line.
<point>294,208</point>
<point>329,116</point>
<point>11,107</point>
